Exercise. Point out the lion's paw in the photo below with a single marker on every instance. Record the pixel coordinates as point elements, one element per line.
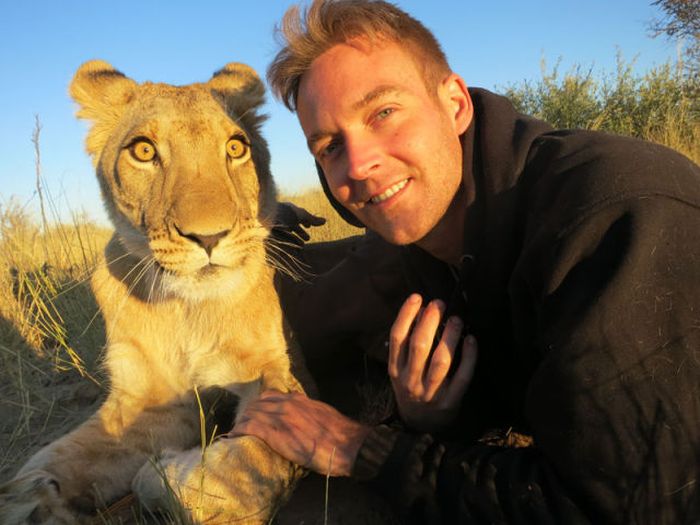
<point>153,483</point>
<point>34,497</point>
<point>231,481</point>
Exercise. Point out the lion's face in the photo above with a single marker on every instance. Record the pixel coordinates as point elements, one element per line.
<point>184,173</point>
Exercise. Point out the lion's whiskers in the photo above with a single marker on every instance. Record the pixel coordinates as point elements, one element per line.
<point>145,264</point>
<point>285,261</point>
<point>95,284</point>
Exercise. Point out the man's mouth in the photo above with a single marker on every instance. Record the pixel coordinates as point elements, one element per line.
<point>389,192</point>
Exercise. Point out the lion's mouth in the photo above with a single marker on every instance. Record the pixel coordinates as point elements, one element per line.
<point>212,274</point>
<point>209,270</point>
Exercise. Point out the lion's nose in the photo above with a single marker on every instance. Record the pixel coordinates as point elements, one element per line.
<point>208,241</point>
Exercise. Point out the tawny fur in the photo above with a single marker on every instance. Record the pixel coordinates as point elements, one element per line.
<point>183,313</point>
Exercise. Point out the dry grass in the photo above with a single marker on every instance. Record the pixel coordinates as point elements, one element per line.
<point>687,143</point>
<point>316,202</point>
<point>50,332</point>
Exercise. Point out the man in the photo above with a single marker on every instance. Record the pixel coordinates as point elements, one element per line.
<point>571,257</point>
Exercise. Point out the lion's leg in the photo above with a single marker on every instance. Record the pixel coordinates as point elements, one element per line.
<point>70,477</point>
<point>239,479</point>
<point>95,463</point>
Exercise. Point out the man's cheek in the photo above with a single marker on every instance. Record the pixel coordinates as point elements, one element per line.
<point>341,193</point>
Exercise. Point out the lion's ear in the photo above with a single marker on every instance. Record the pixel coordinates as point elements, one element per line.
<point>100,89</point>
<point>102,93</point>
<point>242,91</point>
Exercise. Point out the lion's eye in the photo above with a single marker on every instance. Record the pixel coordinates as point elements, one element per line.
<point>143,150</point>
<point>236,148</point>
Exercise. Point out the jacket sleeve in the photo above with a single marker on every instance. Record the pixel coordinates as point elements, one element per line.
<point>613,313</point>
<point>428,482</point>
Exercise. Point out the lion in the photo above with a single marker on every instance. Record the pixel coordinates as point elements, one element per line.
<point>193,321</point>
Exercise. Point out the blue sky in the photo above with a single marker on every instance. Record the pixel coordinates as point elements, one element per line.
<point>42,42</point>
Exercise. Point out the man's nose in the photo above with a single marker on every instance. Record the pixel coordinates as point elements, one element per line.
<point>363,157</point>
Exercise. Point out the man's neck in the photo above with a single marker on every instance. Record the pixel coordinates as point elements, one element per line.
<point>445,241</point>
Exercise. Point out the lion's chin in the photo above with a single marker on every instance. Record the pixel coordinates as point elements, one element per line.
<point>209,282</point>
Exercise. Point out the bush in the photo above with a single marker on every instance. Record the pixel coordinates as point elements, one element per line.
<point>661,105</point>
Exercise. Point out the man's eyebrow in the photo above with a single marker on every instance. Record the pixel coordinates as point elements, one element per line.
<point>314,138</point>
<point>376,93</point>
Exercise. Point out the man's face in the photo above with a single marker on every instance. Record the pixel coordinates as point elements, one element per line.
<point>388,147</point>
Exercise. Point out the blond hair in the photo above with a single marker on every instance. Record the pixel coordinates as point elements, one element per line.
<point>309,33</point>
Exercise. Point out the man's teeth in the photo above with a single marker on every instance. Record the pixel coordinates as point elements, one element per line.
<point>393,190</point>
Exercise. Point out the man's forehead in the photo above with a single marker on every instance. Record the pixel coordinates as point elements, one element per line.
<point>353,95</point>
<point>353,53</point>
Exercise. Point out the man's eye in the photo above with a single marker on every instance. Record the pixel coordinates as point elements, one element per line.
<point>329,149</point>
<point>385,113</point>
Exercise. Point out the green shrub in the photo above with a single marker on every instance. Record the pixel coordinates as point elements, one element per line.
<point>661,105</point>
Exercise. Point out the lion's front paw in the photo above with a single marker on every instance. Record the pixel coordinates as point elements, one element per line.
<point>232,481</point>
<point>152,485</point>
<point>34,497</point>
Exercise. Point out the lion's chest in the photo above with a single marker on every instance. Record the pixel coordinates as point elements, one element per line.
<point>163,359</point>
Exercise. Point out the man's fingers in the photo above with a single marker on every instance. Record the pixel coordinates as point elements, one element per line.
<point>301,232</point>
<point>305,217</point>
<point>305,431</point>
<point>464,373</point>
<point>271,393</point>
<point>250,425</point>
<point>242,428</point>
<point>442,358</point>
<point>313,220</point>
<point>400,331</point>
<point>421,343</point>
<point>277,434</point>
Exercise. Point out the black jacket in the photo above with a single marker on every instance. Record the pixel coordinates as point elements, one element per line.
<point>581,283</point>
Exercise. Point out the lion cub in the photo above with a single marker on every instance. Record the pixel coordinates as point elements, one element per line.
<point>192,317</point>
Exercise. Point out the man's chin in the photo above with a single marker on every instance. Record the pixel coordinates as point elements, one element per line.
<point>398,236</point>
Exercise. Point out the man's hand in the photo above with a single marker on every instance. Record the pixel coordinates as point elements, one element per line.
<point>428,393</point>
<point>304,431</point>
<point>290,222</point>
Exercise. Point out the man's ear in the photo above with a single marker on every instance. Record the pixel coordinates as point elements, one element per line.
<point>455,96</point>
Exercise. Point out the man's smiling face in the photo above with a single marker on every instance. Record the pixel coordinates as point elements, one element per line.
<point>389,148</point>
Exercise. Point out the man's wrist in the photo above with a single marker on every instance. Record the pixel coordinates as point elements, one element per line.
<point>373,452</point>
